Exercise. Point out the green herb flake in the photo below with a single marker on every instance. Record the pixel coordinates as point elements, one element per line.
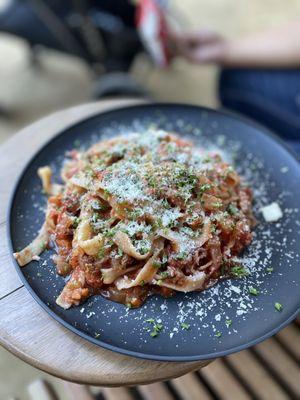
<point>185,326</point>
<point>228,323</point>
<point>203,188</point>
<point>158,327</point>
<point>278,307</point>
<point>97,335</point>
<point>101,253</point>
<point>238,271</point>
<point>129,305</point>
<point>232,209</point>
<point>144,250</point>
<point>164,275</point>
<point>253,291</point>
<point>270,270</point>
<point>218,334</point>
<point>76,222</point>
<point>156,264</point>
<point>110,233</point>
<point>217,204</point>
<point>150,320</point>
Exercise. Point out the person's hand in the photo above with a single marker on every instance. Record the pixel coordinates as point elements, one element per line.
<point>199,47</point>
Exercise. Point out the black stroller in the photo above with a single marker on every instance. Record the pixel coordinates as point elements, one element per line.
<point>102,32</point>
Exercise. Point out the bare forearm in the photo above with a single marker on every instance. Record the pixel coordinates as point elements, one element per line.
<point>273,49</point>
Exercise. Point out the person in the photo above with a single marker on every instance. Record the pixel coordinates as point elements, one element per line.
<point>260,74</point>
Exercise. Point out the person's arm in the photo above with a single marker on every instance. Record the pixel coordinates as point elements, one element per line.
<point>278,48</point>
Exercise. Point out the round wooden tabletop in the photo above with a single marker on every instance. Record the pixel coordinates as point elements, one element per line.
<point>25,328</point>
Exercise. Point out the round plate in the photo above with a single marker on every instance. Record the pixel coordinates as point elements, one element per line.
<point>218,321</point>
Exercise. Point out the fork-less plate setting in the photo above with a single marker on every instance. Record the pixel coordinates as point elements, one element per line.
<point>198,325</point>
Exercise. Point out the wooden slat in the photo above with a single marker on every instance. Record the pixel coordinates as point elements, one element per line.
<point>39,390</point>
<point>54,349</point>
<point>116,394</point>
<point>80,392</point>
<point>253,373</point>
<point>290,338</point>
<point>155,391</point>
<point>281,363</point>
<point>190,388</point>
<point>223,382</point>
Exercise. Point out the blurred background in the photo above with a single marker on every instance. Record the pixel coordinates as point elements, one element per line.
<point>37,81</point>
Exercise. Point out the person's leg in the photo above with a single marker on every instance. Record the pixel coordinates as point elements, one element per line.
<point>270,97</point>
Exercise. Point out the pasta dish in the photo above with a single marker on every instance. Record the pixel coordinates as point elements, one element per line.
<point>142,214</point>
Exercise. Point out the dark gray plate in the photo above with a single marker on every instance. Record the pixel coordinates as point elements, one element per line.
<point>271,170</point>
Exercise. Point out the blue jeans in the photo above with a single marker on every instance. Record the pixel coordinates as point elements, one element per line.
<point>271,97</point>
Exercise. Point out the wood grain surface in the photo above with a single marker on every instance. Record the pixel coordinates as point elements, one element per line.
<point>25,328</point>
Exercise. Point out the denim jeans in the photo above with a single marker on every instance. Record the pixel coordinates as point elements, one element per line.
<point>271,97</point>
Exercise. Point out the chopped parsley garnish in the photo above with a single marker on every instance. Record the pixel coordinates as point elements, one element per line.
<point>101,253</point>
<point>228,322</point>
<point>156,264</point>
<point>238,271</point>
<point>144,250</point>
<point>158,223</point>
<point>218,334</point>
<point>278,307</point>
<point>203,188</point>
<point>128,305</point>
<point>253,291</point>
<point>157,327</point>
<point>217,204</point>
<point>232,209</point>
<point>110,232</point>
<point>164,274</point>
<point>76,222</point>
<point>270,270</point>
<point>185,326</point>
<point>150,320</point>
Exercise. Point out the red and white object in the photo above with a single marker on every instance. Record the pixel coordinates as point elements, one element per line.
<point>153,30</point>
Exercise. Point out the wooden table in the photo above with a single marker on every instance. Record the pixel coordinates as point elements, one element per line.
<point>25,329</point>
